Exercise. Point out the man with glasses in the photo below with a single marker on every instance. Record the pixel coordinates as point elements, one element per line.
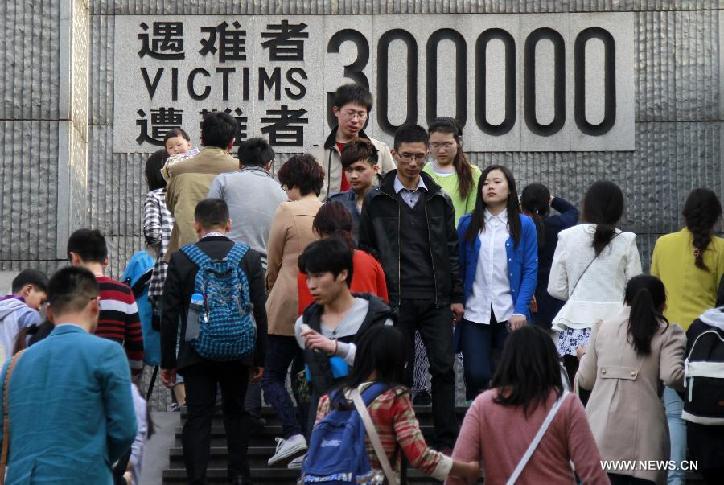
<point>352,106</point>
<point>409,223</point>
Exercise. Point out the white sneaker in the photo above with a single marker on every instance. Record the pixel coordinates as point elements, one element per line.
<point>296,464</point>
<point>286,448</point>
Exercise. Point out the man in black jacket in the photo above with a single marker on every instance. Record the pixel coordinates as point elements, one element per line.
<point>202,376</point>
<point>409,223</point>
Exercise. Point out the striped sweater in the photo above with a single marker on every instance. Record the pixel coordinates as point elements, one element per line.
<point>398,429</point>
<point>118,320</point>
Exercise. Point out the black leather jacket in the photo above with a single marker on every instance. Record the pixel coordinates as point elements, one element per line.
<point>379,233</point>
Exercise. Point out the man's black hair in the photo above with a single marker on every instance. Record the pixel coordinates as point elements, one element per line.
<point>218,129</point>
<point>154,163</point>
<point>410,134</point>
<point>70,289</point>
<point>30,277</point>
<point>353,93</point>
<point>89,244</point>
<point>211,213</point>
<point>327,256</point>
<point>255,152</point>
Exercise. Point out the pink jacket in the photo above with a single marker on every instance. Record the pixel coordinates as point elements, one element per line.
<point>498,436</point>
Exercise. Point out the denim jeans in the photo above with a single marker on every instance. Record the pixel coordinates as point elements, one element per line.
<point>281,352</point>
<point>677,434</point>
<point>479,343</point>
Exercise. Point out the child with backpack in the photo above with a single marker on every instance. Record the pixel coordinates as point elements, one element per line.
<point>213,301</point>
<point>365,426</point>
<point>704,382</point>
<point>19,311</point>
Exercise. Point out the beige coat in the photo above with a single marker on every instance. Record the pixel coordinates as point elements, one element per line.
<point>291,232</point>
<point>625,410</point>
<point>188,184</point>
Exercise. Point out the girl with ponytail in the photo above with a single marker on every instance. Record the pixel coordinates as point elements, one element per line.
<point>626,358</point>
<point>536,201</point>
<point>450,168</point>
<point>591,265</point>
<point>690,262</point>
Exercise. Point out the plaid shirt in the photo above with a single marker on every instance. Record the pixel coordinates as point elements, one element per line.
<point>398,428</point>
<point>157,226</point>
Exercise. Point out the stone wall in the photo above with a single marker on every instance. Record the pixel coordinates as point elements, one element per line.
<point>49,186</point>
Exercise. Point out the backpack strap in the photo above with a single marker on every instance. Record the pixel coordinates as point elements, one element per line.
<point>237,253</point>
<point>536,439</point>
<point>371,430</point>
<point>196,255</point>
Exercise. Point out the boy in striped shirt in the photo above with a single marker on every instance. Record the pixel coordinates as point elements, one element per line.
<point>118,319</point>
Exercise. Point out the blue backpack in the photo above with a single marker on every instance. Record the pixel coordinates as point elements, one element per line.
<point>337,453</point>
<point>227,330</point>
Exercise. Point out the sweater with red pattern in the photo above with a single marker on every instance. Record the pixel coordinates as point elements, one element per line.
<point>398,428</point>
<point>118,320</point>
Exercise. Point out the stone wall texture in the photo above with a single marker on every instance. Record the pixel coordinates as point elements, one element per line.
<point>679,121</point>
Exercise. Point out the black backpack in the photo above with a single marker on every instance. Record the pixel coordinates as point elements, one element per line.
<point>704,381</point>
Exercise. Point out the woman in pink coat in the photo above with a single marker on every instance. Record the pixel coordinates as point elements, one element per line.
<point>501,425</point>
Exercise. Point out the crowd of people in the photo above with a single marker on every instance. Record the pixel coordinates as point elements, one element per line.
<point>340,289</point>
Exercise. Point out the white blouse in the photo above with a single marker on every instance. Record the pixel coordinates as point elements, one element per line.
<point>600,292</point>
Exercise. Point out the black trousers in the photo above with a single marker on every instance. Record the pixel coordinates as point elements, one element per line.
<point>201,383</point>
<point>435,326</point>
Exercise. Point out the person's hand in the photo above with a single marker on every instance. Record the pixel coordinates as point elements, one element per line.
<point>467,470</point>
<point>516,322</point>
<point>316,341</point>
<point>550,201</point>
<point>168,377</point>
<point>255,374</point>
<point>581,351</point>
<point>458,310</point>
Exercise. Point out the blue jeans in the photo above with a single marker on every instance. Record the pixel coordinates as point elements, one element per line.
<point>677,434</point>
<point>282,352</point>
<point>479,342</point>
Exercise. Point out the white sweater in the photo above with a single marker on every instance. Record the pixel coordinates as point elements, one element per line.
<point>600,292</point>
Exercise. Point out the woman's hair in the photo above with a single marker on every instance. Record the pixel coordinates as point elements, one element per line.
<point>646,296</point>
<point>463,169</point>
<point>303,172</point>
<point>154,163</point>
<point>603,206</point>
<point>701,211</point>
<point>477,221</point>
<point>334,220</point>
<point>528,369</point>
<point>175,133</point>
<point>380,349</point>
<point>535,202</point>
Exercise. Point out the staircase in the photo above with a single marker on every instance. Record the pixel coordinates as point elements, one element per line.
<point>262,446</point>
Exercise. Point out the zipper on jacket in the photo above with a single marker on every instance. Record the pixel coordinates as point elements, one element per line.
<point>399,255</point>
<point>429,243</point>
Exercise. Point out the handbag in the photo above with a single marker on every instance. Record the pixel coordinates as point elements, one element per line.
<point>536,440</point>
<point>6,416</point>
<point>374,437</point>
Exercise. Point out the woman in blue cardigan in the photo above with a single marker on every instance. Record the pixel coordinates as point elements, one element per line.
<point>499,264</point>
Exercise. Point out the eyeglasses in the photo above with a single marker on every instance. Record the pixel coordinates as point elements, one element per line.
<point>418,157</point>
<point>362,115</point>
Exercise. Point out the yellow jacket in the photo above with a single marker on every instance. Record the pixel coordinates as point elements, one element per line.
<point>689,290</point>
<point>188,184</point>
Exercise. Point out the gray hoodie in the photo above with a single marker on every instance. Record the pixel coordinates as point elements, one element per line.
<point>15,315</point>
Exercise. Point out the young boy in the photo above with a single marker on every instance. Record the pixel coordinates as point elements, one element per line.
<point>118,319</point>
<point>361,167</point>
<point>352,106</point>
<point>19,311</point>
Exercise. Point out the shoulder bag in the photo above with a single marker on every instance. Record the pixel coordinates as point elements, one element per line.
<point>6,416</point>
